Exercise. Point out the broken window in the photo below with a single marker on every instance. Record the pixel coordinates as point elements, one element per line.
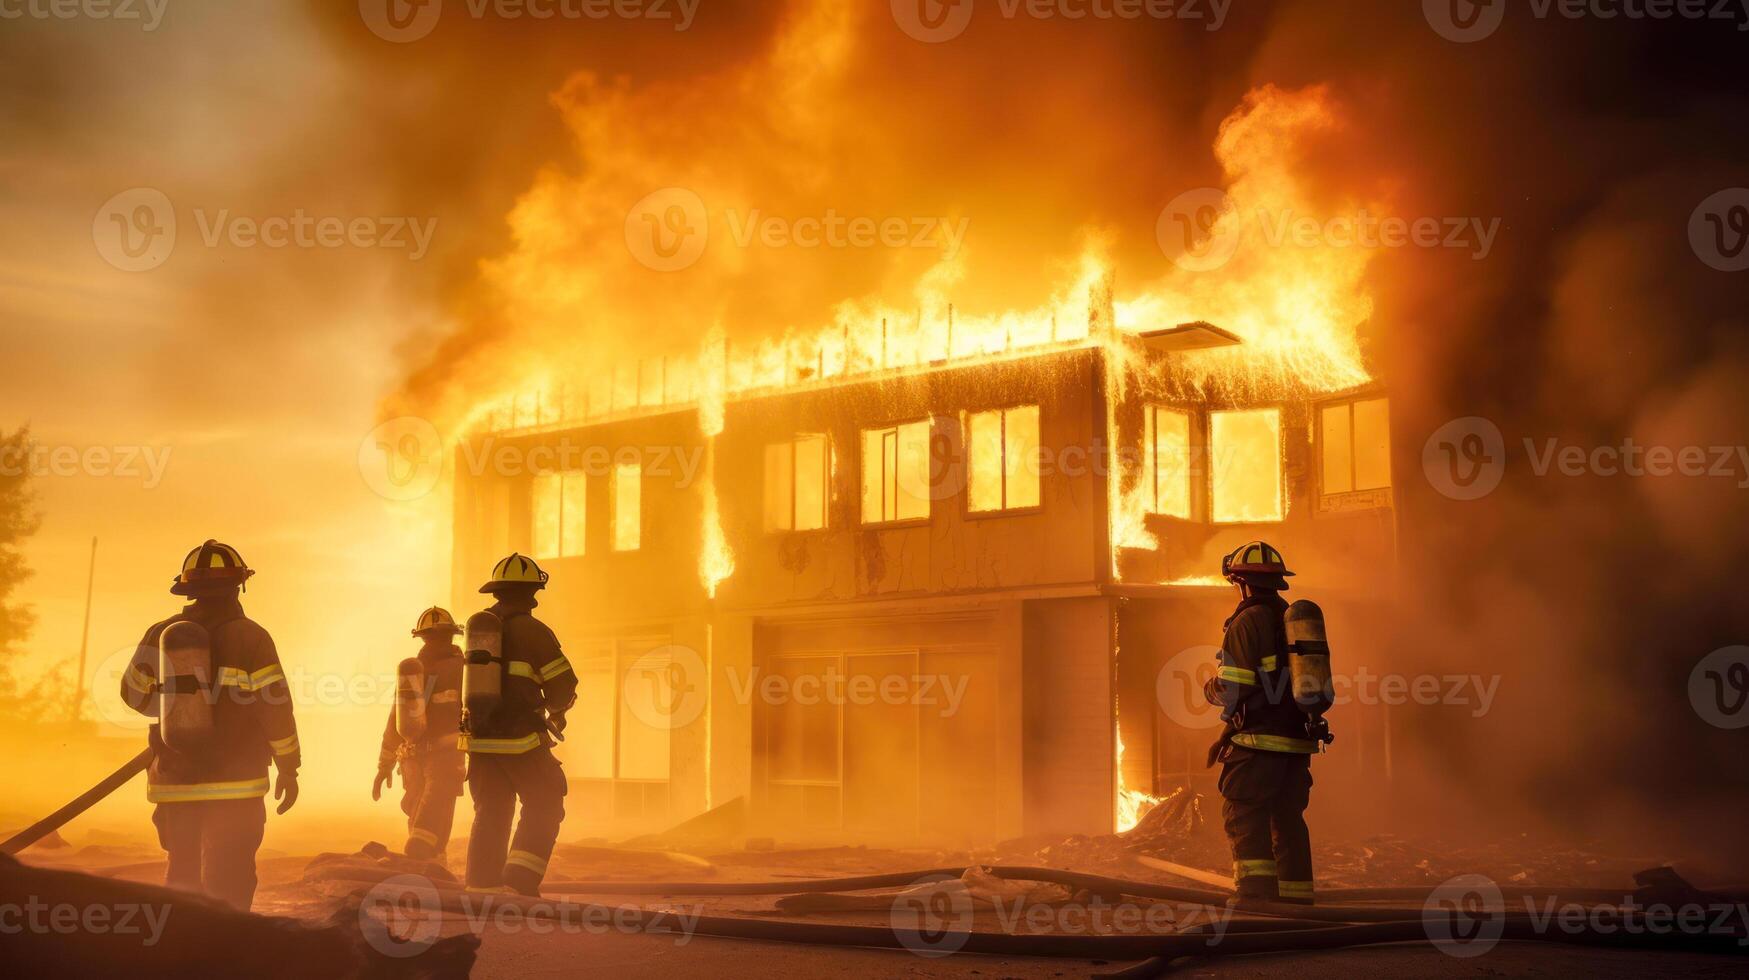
<point>628,518</point>
<point>1245,458</point>
<point>1168,454</point>
<point>895,473</point>
<point>795,484</point>
<point>1356,446</point>
<point>557,513</point>
<point>1002,464</point>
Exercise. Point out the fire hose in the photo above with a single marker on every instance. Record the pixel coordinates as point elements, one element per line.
<point>1282,928</point>
<point>1237,939</point>
<point>85,801</point>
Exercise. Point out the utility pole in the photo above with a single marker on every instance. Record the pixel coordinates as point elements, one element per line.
<point>85,634</point>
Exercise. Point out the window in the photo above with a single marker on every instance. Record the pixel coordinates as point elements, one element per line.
<point>628,518</point>
<point>895,473</point>
<point>558,511</point>
<point>795,484</point>
<point>1002,467</point>
<point>1168,454</point>
<point>1245,452</point>
<point>1357,446</point>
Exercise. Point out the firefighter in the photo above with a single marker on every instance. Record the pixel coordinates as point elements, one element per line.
<point>1265,751</point>
<point>509,748</point>
<point>421,736</point>
<point>224,712</point>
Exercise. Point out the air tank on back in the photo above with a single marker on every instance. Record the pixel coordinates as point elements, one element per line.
<point>185,672</point>
<point>483,668</point>
<point>1309,658</point>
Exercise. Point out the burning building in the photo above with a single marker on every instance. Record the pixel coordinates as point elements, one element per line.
<point>946,581</point>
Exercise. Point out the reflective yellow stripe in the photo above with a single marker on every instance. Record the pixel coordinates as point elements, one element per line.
<point>556,667</point>
<point>498,746</point>
<point>523,859</point>
<point>1268,663</point>
<point>1294,889</point>
<point>242,680</point>
<point>140,680</point>
<point>1251,869</point>
<point>1275,743</point>
<point>1238,675</point>
<point>285,746</point>
<point>519,668</point>
<point>423,835</point>
<point>245,789</point>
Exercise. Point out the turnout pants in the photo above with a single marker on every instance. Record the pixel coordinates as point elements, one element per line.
<point>1266,795</point>
<point>211,845</point>
<point>496,782</point>
<point>430,783</point>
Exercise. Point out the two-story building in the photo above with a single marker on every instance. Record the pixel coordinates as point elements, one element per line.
<point>929,602</point>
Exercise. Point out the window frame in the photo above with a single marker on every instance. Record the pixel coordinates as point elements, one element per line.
<point>1212,453</point>
<point>793,443</point>
<point>1196,436</point>
<point>1351,500</point>
<point>564,477</point>
<point>613,508</point>
<point>965,423</point>
<point>862,432</point>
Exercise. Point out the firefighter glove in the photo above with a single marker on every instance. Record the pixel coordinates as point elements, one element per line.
<point>385,777</point>
<point>285,789</point>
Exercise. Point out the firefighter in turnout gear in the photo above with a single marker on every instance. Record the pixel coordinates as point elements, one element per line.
<point>515,705</point>
<point>422,736</point>
<point>1265,751</point>
<point>212,679</point>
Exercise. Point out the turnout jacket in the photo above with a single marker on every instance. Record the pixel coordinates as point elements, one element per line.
<point>1251,682</point>
<point>538,683</point>
<point>251,706</point>
<point>443,708</point>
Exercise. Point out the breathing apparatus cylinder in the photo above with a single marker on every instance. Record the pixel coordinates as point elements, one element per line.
<point>1309,658</point>
<point>410,699</point>
<point>185,671</point>
<point>483,670</point>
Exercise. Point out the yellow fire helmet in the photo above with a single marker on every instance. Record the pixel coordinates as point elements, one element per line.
<point>515,570</point>
<point>436,620</point>
<point>1255,558</point>
<point>211,564</point>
